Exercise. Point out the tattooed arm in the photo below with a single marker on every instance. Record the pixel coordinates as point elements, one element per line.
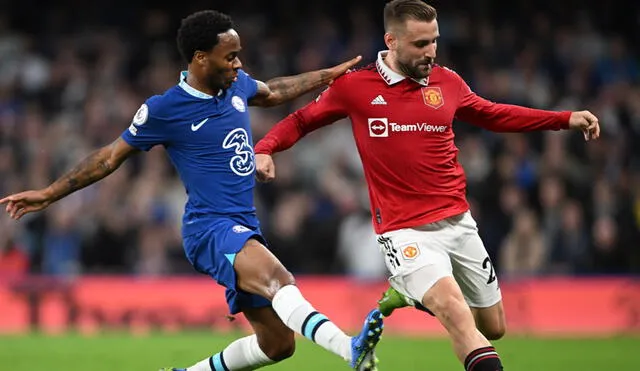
<point>94,167</point>
<point>282,89</point>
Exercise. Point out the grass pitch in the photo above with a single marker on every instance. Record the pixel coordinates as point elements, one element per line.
<point>111,352</point>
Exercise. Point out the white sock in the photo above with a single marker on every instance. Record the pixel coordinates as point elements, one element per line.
<point>242,354</point>
<point>298,314</point>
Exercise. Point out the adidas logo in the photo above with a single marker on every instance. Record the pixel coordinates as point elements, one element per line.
<point>378,100</point>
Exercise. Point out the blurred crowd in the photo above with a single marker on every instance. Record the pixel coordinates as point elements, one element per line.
<point>72,74</point>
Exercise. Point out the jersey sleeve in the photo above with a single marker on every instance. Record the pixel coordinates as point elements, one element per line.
<point>247,84</point>
<point>500,117</point>
<point>146,129</point>
<point>326,109</point>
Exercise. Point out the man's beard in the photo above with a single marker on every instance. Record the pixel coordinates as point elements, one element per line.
<point>414,71</point>
<point>216,83</point>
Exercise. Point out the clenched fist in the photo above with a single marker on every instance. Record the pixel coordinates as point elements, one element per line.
<point>265,168</point>
<point>586,122</point>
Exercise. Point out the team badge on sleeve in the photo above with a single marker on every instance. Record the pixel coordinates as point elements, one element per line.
<point>240,229</point>
<point>139,119</point>
<point>433,97</point>
<point>141,116</point>
<point>238,103</point>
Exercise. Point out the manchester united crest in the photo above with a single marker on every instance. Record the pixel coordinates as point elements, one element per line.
<point>433,97</point>
<point>410,252</point>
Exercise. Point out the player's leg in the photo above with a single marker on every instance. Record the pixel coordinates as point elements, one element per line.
<point>476,278</point>
<point>259,272</point>
<point>474,272</point>
<point>271,342</point>
<point>234,257</point>
<point>421,270</point>
<point>274,338</point>
<point>491,321</point>
<point>445,300</point>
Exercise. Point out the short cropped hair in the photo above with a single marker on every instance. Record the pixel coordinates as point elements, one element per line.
<point>200,31</point>
<point>399,11</point>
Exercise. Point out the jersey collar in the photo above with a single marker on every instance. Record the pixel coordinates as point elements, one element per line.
<point>182,82</point>
<point>391,76</point>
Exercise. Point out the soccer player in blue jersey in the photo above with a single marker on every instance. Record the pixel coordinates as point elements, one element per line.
<point>203,123</point>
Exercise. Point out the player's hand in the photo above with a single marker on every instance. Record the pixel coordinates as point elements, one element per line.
<point>586,122</point>
<point>25,202</point>
<point>265,168</point>
<point>335,71</point>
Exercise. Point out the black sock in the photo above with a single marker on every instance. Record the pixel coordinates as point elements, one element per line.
<point>483,359</point>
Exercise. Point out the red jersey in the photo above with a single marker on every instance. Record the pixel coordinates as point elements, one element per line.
<point>403,131</point>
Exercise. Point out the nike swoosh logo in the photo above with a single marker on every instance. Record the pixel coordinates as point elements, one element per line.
<point>196,127</point>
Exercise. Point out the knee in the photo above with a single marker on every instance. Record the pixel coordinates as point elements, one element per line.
<point>453,312</point>
<point>495,331</point>
<point>450,307</point>
<point>491,321</point>
<point>280,348</point>
<point>259,272</point>
<point>270,280</point>
<point>277,278</point>
<point>283,277</point>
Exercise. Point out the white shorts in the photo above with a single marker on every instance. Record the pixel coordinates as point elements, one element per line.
<point>418,257</point>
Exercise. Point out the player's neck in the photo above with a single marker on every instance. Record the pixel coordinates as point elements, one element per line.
<point>391,62</point>
<point>196,83</point>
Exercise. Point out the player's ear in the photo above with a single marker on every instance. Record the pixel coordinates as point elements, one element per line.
<point>390,40</point>
<point>199,57</point>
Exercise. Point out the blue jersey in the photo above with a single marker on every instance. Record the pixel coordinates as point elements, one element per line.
<point>208,139</point>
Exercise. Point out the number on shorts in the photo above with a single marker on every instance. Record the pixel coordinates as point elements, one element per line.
<point>390,251</point>
<point>488,264</point>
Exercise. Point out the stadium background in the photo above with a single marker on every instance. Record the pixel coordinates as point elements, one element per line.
<point>560,218</point>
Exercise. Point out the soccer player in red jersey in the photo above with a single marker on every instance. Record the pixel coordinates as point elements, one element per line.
<point>401,109</point>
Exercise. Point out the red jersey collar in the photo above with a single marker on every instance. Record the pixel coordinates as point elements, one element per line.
<point>391,76</point>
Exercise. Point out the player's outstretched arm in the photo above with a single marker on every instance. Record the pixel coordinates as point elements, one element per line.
<point>506,118</point>
<point>94,167</point>
<point>282,89</point>
<point>329,107</point>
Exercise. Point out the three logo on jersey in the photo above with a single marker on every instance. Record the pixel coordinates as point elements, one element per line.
<point>242,163</point>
